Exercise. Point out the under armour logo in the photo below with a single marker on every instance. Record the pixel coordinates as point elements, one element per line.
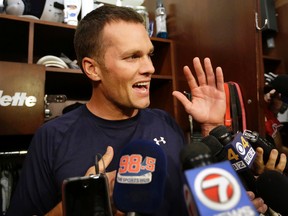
<point>161,140</point>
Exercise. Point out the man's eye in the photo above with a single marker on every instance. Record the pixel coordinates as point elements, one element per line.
<point>132,57</point>
<point>135,56</point>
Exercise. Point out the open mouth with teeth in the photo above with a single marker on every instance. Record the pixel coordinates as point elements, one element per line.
<point>142,86</point>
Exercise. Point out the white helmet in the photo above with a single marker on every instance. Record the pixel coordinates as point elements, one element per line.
<point>50,10</point>
<point>14,7</point>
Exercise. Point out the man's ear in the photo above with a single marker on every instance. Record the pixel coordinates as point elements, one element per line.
<point>91,68</point>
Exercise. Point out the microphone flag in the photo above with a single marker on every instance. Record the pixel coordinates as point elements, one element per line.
<point>140,179</point>
<point>217,191</point>
<point>240,153</point>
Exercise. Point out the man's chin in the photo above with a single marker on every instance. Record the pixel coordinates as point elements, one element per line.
<point>143,106</point>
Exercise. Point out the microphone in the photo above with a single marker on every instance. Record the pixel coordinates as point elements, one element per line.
<point>257,141</point>
<point>218,152</point>
<point>239,152</point>
<point>140,179</point>
<point>259,186</point>
<point>224,147</point>
<point>214,189</point>
<point>272,186</point>
<point>190,157</point>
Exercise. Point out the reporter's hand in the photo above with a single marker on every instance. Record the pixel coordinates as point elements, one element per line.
<point>107,158</point>
<point>259,166</point>
<point>208,96</point>
<point>258,202</point>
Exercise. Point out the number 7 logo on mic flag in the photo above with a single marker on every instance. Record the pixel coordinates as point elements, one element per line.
<point>217,191</point>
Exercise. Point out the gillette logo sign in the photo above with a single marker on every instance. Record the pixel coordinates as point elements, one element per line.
<point>18,99</point>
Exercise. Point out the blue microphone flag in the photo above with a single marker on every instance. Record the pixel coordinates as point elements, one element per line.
<point>240,153</point>
<point>217,191</point>
<point>140,179</point>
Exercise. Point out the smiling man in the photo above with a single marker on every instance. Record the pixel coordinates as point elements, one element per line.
<point>122,77</point>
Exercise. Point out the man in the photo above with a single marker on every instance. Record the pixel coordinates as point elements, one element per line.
<point>114,51</point>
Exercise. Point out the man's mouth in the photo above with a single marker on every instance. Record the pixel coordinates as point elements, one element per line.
<point>143,86</point>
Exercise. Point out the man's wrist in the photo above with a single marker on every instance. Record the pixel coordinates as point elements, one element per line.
<point>206,128</point>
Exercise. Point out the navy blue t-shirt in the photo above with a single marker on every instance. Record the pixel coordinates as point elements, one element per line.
<point>66,147</point>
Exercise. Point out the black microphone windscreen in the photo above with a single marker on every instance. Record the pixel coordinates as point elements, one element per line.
<point>272,187</point>
<point>220,153</point>
<point>195,155</point>
<point>222,134</point>
<point>216,148</point>
<point>140,180</point>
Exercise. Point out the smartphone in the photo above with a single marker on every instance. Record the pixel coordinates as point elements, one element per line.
<point>86,196</point>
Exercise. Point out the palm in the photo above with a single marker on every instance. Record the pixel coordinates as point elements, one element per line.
<point>208,96</point>
<point>207,106</point>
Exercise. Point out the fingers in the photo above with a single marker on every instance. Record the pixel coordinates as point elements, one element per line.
<point>190,78</point>
<point>270,165</point>
<point>251,195</point>
<point>259,156</point>
<point>208,76</point>
<point>199,70</point>
<point>209,72</point>
<point>204,77</point>
<point>191,83</point>
<point>257,202</point>
<point>105,161</point>
<point>205,95</point>
<point>282,163</point>
<point>258,164</point>
<point>220,79</point>
<point>111,180</point>
<point>182,98</point>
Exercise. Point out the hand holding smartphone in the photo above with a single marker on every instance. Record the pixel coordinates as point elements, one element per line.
<point>86,196</point>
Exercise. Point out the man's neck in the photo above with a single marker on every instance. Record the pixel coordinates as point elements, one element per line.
<point>110,112</point>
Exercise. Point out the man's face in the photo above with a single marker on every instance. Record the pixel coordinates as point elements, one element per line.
<point>126,76</point>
